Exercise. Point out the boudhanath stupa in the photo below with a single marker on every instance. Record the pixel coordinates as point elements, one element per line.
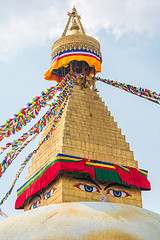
<point>83,182</point>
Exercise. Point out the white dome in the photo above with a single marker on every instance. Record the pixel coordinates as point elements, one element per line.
<point>82,220</point>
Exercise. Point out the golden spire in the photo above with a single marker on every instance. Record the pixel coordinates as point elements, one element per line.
<point>77,39</point>
<point>73,16</point>
<point>81,48</point>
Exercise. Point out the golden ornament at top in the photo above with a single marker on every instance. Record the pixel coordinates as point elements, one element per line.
<point>75,27</point>
<point>77,39</point>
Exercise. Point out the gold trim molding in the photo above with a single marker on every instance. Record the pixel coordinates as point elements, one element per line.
<point>76,41</point>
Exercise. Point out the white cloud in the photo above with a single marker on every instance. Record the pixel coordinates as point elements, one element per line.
<point>29,27</point>
<point>33,24</point>
<point>121,17</point>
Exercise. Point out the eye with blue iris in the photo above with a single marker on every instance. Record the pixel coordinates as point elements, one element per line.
<point>87,188</point>
<point>35,204</point>
<point>116,193</point>
<point>49,193</point>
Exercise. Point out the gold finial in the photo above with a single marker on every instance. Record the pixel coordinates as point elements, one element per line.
<point>73,16</point>
<point>74,25</point>
<point>74,28</point>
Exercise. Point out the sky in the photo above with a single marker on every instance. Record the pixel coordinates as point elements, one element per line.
<point>129,34</point>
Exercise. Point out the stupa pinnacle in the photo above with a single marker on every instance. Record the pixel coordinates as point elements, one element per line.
<point>75,52</point>
<point>73,17</point>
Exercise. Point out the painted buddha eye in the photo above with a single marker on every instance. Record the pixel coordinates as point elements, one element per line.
<point>115,193</point>
<point>87,188</point>
<point>35,204</point>
<point>49,193</point>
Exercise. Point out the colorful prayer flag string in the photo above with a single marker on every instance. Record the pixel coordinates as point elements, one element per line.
<point>56,120</point>
<point>10,157</point>
<point>67,86</point>
<point>141,92</point>
<point>30,111</point>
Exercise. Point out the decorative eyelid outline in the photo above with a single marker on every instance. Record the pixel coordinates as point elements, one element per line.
<point>35,202</point>
<point>118,191</point>
<point>87,186</point>
<point>37,196</point>
<point>47,191</point>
